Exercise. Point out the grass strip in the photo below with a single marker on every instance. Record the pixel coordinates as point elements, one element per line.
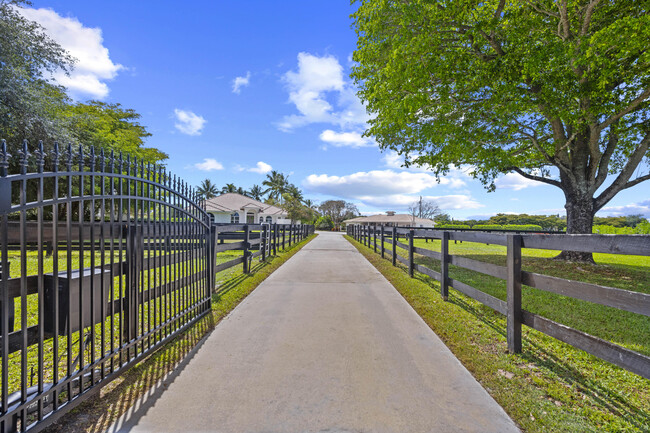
<point>550,387</point>
<point>98,414</point>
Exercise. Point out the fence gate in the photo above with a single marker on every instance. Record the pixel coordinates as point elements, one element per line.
<point>103,259</point>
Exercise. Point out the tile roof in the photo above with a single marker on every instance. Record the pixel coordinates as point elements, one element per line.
<point>230,202</point>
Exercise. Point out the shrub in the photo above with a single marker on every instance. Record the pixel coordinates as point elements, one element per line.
<point>452,226</point>
<point>487,227</point>
<point>324,223</point>
<point>530,227</point>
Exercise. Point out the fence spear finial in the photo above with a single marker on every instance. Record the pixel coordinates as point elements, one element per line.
<point>40,156</point>
<point>4,158</point>
<point>55,157</point>
<point>24,157</point>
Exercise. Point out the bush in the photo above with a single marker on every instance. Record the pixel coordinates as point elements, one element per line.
<point>530,227</point>
<point>487,227</point>
<point>324,223</point>
<point>452,226</point>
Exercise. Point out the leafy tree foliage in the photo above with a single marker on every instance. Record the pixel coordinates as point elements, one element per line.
<point>256,192</point>
<point>557,91</point>
<point>111,127</point>
<point>207,190</point>
<point>30,105</point>
<point>276,184</point>
<point>338,211</point>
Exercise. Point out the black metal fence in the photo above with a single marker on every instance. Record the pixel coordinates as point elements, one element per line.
<point>515,277</point>
<point>103,259</point>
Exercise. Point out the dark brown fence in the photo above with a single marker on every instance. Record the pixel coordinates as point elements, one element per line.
<point>515,277</point>
<point>255,240</point>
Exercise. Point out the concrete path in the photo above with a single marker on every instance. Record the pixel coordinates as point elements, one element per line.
<point>325,344</point>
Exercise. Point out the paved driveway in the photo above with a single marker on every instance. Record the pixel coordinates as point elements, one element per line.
<point>325,344</point>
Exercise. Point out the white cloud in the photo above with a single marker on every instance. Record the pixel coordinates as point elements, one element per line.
<point>209,164</point>
<point>515,181</point>
<point>321,95</point>
<point>188,122</point>
<point>345,139</point>
<point>455,178</point>
<point>94,65</point>
<point>261,167</point>
<point>642,208</point>
<point>240,82</point>
<point>402,201</point>
<point>374,183</point>
<point>387,188</point>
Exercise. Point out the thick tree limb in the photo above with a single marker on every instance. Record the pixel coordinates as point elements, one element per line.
<point>603,164</point>
<point>622,180</point>
<point>587,19</point>
<point>537,178</point>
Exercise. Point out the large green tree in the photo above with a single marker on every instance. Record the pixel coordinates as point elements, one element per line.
<point>556,91</point>
<point>30,105</point>
<point>277,184</point>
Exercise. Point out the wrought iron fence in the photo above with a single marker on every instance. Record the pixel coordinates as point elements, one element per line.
<point>103,259</point>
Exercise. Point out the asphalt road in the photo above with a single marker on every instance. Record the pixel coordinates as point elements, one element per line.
<point>325,344</point>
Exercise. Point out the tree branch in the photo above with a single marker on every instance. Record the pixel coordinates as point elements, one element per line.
<point>536,178</point>
<point>588,14</point>
<point>634,104</point>
<point>622,180</point>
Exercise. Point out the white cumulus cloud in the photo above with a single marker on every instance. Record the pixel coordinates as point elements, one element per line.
<point>642,208</point>
<point>261,167</point>
<point>345,139</point>
<point>240,82</point>
<point>188,123</point>
<point>209,164</point>
<point>321,95</point>
<point>515,181</point>
<point>374,183</point>
<point>94,65</point>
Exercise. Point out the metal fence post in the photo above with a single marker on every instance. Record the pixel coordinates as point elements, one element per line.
<point>246,249</point>
<point>444,265</point>
<point>212,257</point>
<point>411,264</point>
<point>514,293</point>
<point>394,234</point>
<point>382,242</point>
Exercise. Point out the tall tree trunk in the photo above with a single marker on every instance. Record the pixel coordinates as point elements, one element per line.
<point>580,219</point>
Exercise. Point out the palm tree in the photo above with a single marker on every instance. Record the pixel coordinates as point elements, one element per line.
<point>294,192</point>
<point>207,190</point>
<point>311,204</point>
<point>256,193</point>
<point>241,191</point>
<point>277,185</point>
<point>230,187</point>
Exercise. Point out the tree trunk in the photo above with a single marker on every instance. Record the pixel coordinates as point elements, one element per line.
<point>580,220</point>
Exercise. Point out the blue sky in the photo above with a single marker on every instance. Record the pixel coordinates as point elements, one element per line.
<point>231,90</point>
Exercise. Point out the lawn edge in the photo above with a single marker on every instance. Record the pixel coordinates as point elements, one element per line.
<point>118,397</point>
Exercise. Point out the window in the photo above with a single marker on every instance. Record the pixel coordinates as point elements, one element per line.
<point>212,218</point>
<point>261,220</point>
<point>234,218</point>
<point>269,219</point>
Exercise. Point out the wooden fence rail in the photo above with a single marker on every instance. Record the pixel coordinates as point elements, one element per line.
<point>515,277</point>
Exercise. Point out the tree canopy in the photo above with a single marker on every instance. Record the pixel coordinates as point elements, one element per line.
<point>556,91</point>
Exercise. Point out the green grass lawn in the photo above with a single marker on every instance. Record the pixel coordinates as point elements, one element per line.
<point>98,414</point>
<point>551,386</point>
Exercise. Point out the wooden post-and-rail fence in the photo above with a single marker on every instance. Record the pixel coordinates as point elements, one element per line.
<point>515,277</point>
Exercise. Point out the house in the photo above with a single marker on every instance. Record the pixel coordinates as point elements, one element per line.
<point>391,219</point>
<point>238,209</point>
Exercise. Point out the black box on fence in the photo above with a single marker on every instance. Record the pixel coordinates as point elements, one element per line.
<point>11,300</point>
<point>69,291</point>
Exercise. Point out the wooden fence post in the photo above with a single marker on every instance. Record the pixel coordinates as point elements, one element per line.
<point>374,238</point>
<point>275,239</point>
<point>394,246</point>
<point>411,264</point>
<point>246,249</point>
<point>514,293</point>
<point>263,241</point>
<point>444,265</point>
<point>382,242</point>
